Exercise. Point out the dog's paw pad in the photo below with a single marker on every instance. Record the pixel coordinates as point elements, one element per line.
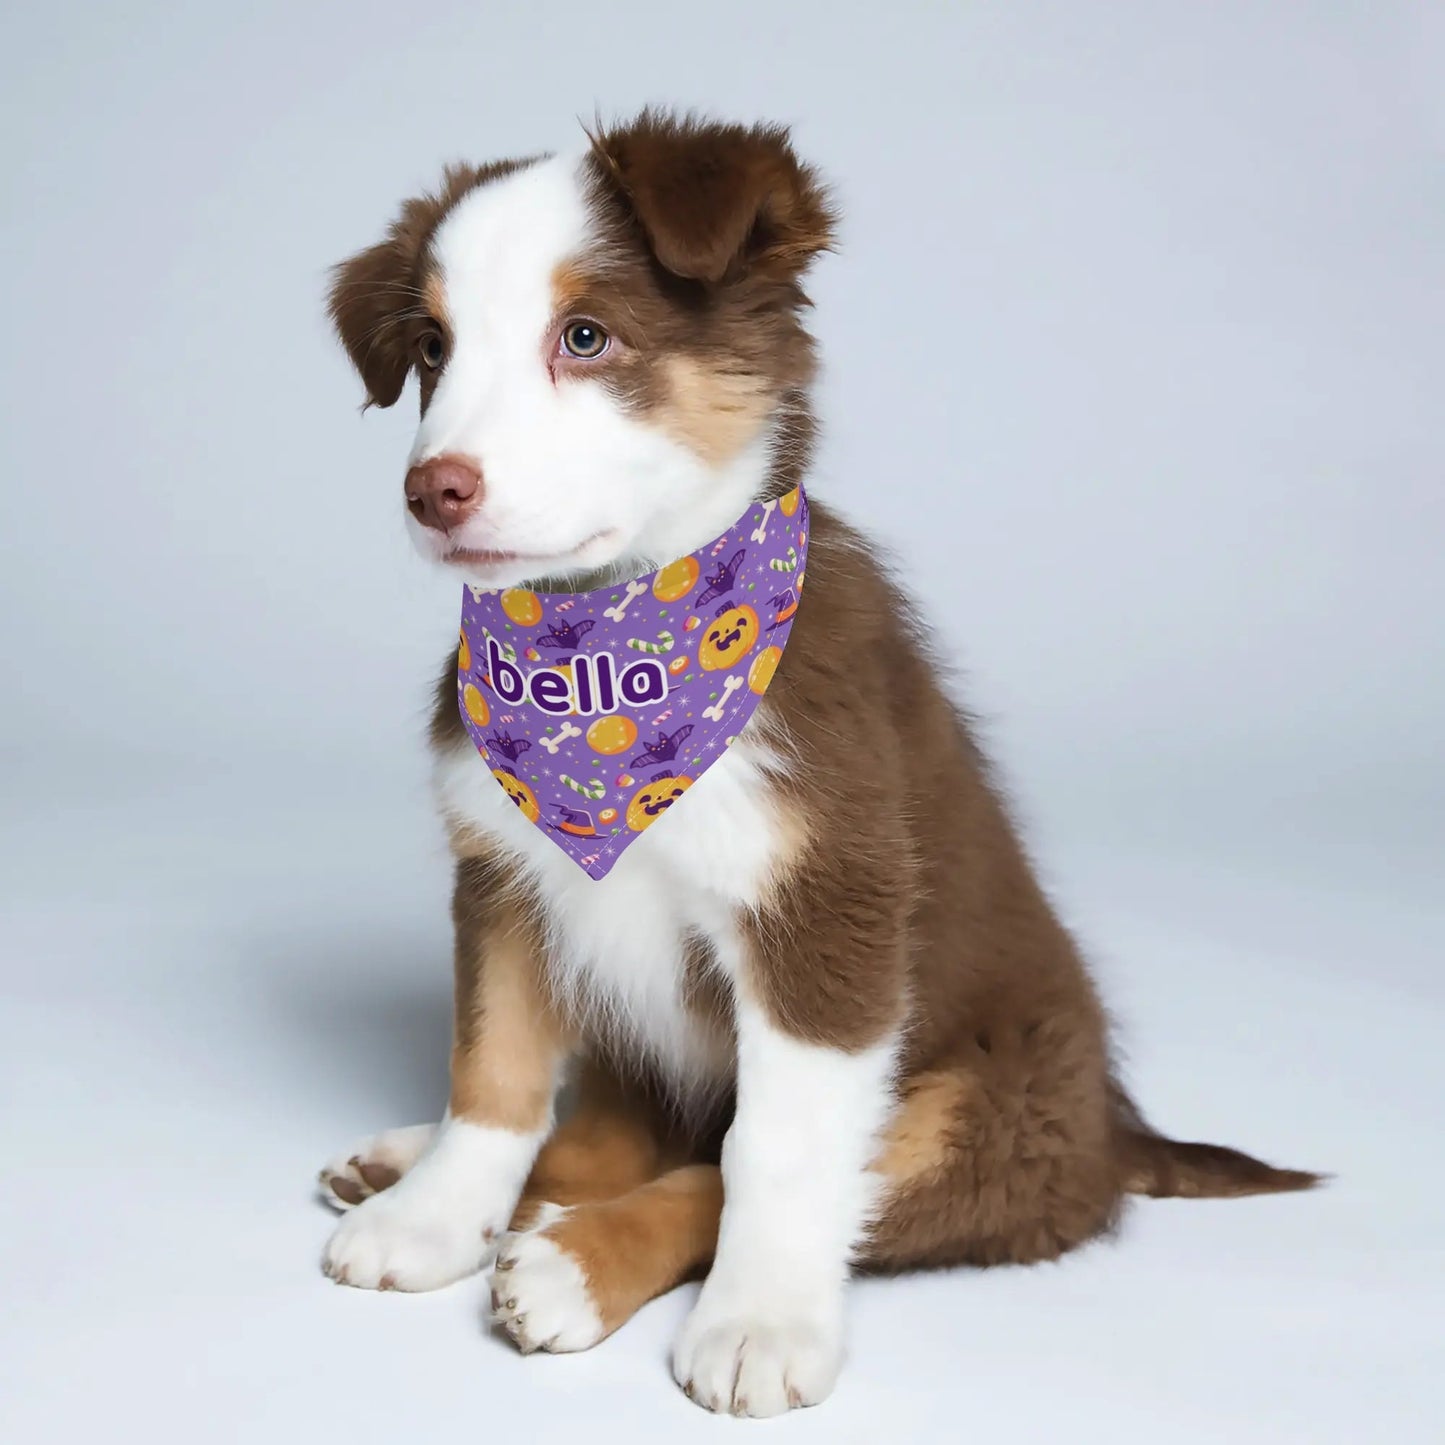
<point>373,1165</point>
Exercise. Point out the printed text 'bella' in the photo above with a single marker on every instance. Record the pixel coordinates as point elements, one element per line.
<point>596,685</point>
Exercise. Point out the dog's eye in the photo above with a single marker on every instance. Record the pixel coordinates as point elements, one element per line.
<point>433,349</point>
<point>585,340</point>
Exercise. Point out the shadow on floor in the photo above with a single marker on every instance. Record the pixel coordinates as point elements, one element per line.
<point>370,1017</point>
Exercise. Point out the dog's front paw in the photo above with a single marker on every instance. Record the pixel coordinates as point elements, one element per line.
<point>758,1363</point>
<point>540,1294</point>
<point>440,1221</point>
<point>410,1239</point>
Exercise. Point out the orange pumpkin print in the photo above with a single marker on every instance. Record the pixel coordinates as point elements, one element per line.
<point>519,793</point>
<point>730,636</point>
<point>522,607</point>
<point>653,799</point>
<point>788,503</point>
<point>612,734</point>
<point>464,654</point>
<point>676,580</point>
<point>765,664</point>
<point>476,705</point>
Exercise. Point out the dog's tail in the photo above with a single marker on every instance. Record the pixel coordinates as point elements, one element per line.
<point>1170,1168</point>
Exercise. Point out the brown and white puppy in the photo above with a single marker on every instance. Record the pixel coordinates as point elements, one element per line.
<point>829,990</point>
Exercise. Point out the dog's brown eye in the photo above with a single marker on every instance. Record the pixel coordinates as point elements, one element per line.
<point>433,349</point>
<point>585,340</point>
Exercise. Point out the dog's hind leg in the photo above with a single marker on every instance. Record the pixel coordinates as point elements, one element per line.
<point>618,1137</point>
<point>373,1165</point>
<point>1003,1156</point>
<point>581,1271</point>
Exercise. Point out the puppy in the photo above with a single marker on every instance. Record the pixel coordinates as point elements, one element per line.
<point>820,1019</point>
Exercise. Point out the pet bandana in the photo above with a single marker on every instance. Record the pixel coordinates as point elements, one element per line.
<point>597,711</point>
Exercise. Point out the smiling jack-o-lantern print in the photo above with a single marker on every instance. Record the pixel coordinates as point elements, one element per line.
<point>731,635</point>
<point>519,793</point>
<point>653,799</point>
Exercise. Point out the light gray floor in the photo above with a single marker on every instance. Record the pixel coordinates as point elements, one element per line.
<point>205,997</point>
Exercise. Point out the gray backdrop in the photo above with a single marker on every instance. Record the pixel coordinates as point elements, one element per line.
<point>1141,301</point>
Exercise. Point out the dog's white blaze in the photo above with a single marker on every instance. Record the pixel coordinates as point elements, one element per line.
<point>563,459</point>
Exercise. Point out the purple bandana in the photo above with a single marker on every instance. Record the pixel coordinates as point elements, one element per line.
<point>597,711</point>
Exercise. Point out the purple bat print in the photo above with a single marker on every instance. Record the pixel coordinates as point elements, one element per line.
<point>723,580</point>
<point>509,747</point>
<point>664,750</point>
<point>566,636</point>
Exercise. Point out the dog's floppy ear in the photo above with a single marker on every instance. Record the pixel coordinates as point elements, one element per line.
<point>713,198</point>
<point>370,294</point>
<point>378,292</point>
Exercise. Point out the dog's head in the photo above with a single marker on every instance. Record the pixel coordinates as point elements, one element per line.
<point>608,345</point>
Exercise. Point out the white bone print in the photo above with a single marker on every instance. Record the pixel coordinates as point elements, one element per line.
<point>760,532</point>
<point>634,591</point>
<point>566,731</point>
<point>730,686</point>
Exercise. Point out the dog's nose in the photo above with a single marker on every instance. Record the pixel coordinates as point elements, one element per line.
<point>444,491</point>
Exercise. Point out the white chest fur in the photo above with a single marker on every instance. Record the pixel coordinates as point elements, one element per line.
<point>617,945</point>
